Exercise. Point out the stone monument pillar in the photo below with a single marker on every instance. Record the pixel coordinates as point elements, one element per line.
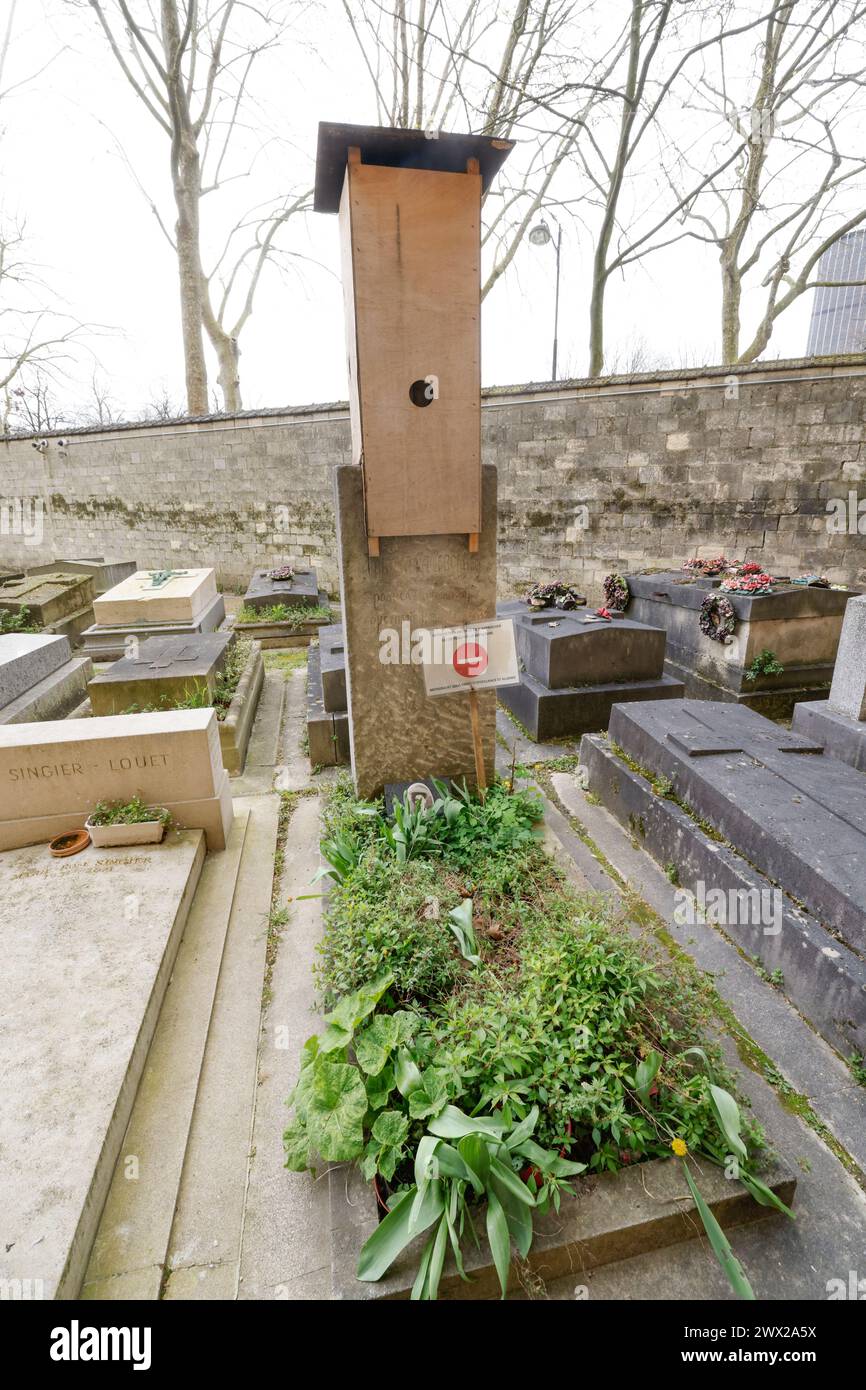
<point>416,513</point>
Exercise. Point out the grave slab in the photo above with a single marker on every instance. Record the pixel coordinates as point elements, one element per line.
<point>801,626</point>
<point>397,733</point>
<point>302,591</point>
<point>39,677</point>
<point>327,730</point>
<point>49,598</point>
<point>104,573</point>
<point>798,816</point>
<point>823,978</point>
<point>157,596</point>
<point>112,643</point>
<point>332,654</point>
<point>27,658</point>
<point>52,774</point>
<point>88,945</point>
<point>165,670</point>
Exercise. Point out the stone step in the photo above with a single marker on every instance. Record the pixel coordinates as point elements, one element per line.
<point>128,1256</point>
<point>204,1250</point>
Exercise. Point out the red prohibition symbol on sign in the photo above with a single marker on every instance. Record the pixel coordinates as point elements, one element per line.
<point>470,660</point>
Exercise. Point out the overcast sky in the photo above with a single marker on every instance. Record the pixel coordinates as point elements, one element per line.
<point>101,249</point>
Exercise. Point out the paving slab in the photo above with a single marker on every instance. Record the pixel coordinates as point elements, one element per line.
<point>286,1238</point>
<point>88,945</point>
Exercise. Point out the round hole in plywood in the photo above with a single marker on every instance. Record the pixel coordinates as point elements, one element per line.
<point>422,392</point>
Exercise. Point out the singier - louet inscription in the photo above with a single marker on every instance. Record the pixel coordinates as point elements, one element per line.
<point>44,771</point>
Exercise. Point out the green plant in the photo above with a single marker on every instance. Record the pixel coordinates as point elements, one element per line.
<point>672,873</point>
<point>414,828</point>
<point>389,915</point>
<point>132,812</point>
<point>17,622</point>
<point>546,1007</point>
<point>296,616</point>
<point>481,1165</point>
<point>764,664</point>
<point>857,1063</point>
<point>460,922</point>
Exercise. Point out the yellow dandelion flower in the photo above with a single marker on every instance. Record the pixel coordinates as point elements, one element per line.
<point>680,1147</point>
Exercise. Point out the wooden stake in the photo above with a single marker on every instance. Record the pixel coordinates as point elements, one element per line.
<point>476,743</point>
<point>373,546</point>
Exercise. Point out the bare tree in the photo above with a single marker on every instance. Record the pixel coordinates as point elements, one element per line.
<point>101,408</point>
<point>777,208</point>
<point>34,332</point>
<point>32,406</point>
<point>162,407</point>
<point>508,70</point>
<point>189,62</point>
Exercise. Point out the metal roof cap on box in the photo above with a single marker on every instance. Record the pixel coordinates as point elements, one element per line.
<point>401,149</point>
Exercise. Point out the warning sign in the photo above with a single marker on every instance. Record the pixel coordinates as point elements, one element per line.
<point>477,657</point>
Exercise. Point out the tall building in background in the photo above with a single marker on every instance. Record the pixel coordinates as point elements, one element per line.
<point>838,321</point>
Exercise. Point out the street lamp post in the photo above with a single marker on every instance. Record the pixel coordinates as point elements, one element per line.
<point>540,236</point>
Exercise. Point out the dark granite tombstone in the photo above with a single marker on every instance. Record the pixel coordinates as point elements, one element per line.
<point>799,625</point>
<point>327,729</point>
<point>797,816</point>
<point>301,591</point>
<point>165,670</point>
<point>332,653</point>
<point>575,666</point>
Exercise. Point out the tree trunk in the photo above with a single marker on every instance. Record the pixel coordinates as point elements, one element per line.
<point>186,184</point>
<point>228,354</point>
<point>731,291</point>
<point>596,324</point>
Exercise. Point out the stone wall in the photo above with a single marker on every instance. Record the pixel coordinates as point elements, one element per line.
<point>593,476</point>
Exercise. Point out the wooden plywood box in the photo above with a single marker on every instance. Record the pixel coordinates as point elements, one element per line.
<point>411,241</point>
<point>410,230</point>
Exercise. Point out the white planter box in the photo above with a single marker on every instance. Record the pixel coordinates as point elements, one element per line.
<point>145,832</point>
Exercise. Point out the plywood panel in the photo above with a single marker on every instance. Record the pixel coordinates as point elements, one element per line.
<point>348,277</point>
<point>416,269</point>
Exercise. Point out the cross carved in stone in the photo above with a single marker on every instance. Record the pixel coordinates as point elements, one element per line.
<point>167,658</point>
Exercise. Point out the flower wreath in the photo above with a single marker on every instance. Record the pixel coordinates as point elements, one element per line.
<point>717,619</point>
<point>555,595</point>
<point>616,593</point>
<point>706,568</point>
<point>282,572</point>
<point>748,583</point>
